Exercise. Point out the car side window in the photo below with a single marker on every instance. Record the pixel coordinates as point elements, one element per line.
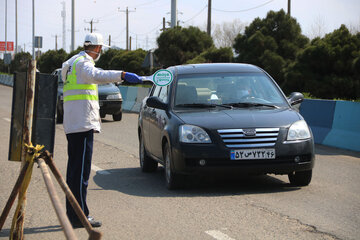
<point>164,93</point>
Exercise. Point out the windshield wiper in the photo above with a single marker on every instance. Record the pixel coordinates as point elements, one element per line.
<point>252,104</point>
<point>203,105</point>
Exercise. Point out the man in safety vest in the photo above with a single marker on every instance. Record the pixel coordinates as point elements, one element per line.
<point>82,117</point>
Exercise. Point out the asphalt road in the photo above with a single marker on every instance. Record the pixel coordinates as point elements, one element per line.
<point>134,205</point>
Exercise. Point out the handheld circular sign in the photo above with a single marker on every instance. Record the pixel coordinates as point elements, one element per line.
<point>163,77</point>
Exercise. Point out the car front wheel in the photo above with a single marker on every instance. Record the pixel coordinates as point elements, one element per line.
<point>147,164</point>
<point>117,117</point>
<point>302,178</point>
<point>173,180</point>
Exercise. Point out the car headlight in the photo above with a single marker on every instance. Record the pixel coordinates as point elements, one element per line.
<point>114,97</point>
<point>193,134</point>
<point>298,131</point>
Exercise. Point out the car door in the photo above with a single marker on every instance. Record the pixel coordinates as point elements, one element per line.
<point>157,124</point>
<point>145,119</point>
<point>148,119</point>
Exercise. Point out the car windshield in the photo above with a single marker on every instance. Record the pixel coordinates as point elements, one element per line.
<point>239,90</point>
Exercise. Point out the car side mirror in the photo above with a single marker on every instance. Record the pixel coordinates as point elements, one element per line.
<point>155,102</point>
<point>295,98</point>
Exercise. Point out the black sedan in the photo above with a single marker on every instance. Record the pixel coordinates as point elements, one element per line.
<point>224,118</point>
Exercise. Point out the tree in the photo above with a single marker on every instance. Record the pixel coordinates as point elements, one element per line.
<point>271,43</point>
<point>328,67</point>
<point>20,62</point>
<point>51,60</point>
<point>129,61</point>
<point>76,51</point>
<point>178,45</point>
<point>214,55</point>
<point>224,35</point>
<point>105,58</point>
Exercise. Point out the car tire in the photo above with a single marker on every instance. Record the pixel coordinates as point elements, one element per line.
<point>147,164</point>
<point>302,178</point>
<point>173,180</point>
<point>117,117</point>
<point>59,117</point>
<point>102,115</point>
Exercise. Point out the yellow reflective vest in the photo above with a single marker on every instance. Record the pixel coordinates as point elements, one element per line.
<point>73,90</point>
<point>81,104</point>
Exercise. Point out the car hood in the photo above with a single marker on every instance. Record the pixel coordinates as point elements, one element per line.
<point>106,89</point>
<point>240,118</point>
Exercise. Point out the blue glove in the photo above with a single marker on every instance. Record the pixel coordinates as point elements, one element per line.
<point>132,78</point>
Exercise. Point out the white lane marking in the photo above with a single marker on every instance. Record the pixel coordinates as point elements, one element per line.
<point>218,235</point>
<point>99,170</point>
<point>7,119</point>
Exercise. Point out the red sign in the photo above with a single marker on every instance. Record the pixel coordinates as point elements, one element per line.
<point>10,46</point>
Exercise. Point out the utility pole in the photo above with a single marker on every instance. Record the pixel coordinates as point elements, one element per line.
<point>130,43</point>
<point>289,8</point>
<point>173,13</point>
<point>33,31</point>
<point>209,18</point>
<point>56,36</point>
<point>16,28</point>
<point>91,25</point>
<point>127,25</point>
<point>72,25</point>
<point>109,40</point>
<point>164,28</point>
<point>63,15</point>
<point>5,27</point>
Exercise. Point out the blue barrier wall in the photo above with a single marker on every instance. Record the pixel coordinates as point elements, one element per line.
<point>319,115</point>
<point>333,123</point>
<point>132,97</point>
<point>6,80</point>
<point>345,132</point>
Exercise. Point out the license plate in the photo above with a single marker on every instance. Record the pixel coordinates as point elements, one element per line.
<point>244,154</point>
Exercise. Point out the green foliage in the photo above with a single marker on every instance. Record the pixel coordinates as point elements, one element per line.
<point>214,55</point>
<point>129,61</point>
<point>179,45</point>
<point>328,67</point>
<point>105,58</point>
<point>76,51</point>
<point>51,60</point>
<point>271,43</point>
<point>20,62</point>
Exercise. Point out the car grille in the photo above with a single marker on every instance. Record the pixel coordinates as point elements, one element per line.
<point>249,138</point>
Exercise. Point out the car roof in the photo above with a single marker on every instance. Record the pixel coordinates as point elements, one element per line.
<point>215,68</point>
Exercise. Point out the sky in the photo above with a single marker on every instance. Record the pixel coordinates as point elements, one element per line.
<point>145,18</point>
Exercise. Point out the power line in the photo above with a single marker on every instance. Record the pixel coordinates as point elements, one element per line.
<point>148,31</point>
<point>243,10</point>
<point>146,3</point>
<point>91,25</point>
<point>197,14</point>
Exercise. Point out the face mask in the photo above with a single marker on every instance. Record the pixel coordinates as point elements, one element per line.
<point>97,58</point>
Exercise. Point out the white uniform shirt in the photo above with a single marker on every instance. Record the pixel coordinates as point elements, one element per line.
<point>83,115</point>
